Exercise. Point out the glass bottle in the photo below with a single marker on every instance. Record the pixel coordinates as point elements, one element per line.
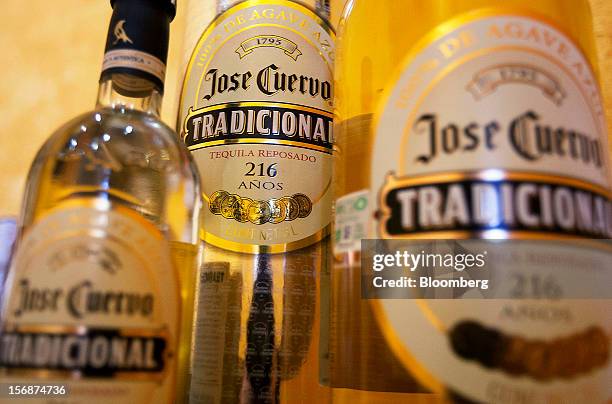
<point>100,293</point>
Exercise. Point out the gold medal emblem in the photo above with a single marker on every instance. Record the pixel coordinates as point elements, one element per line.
<point>215,201</point>
<point>259,212</point>
<point>293,208</point>
<point>228,206</point>
<point>304,204</point>
<point>278,210</point>
<point>241,209</point>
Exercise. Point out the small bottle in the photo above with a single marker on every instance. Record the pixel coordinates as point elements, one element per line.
<point>100,291</point>
<point>256,113</point>
<point>471,119</point>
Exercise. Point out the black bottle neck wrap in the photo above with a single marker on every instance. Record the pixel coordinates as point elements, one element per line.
<point>137,41</point>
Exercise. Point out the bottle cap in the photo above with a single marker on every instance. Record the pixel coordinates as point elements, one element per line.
<point>137,42</point>
<point>169,5</point>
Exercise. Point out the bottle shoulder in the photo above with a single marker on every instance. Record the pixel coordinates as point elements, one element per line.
<point>412,19</point>
<point>102,120</point>
<point>376,39</point>
<point>131,157</point>
<point>104,132</point>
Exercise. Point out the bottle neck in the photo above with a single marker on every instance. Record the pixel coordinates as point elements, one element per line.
<point>121,91</point>
<point>134,65</point>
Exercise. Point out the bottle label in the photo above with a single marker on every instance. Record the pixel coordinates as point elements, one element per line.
<point>501,109</point>
<point>495,129</point>
<point>218,312</point>
<point>256,112</point>
<point>93,304</point>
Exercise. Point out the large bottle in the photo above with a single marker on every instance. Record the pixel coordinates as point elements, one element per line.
<point>468,119</point>
<point>256,112</point>
<point>100,292</point>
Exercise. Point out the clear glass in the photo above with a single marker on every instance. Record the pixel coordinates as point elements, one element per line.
<point>259,334</point>
<point>121,154</point>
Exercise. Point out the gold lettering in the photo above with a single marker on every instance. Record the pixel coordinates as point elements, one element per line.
<point>549,39</point>
<point>268,13</point>
<point>563,50</point>
<point>407,92</point>
<point>578,67</point>
<point>513,30</point>
<point>533,34</point>
<point>451,46</point>
<point>495,32</point>
<point>238,20</point>
<point>281,16</point>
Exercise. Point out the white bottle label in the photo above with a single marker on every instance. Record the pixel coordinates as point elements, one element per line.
<point>505,108</point>
<point>495,129</point>
<point>93,303</point>
<point>256,112</point>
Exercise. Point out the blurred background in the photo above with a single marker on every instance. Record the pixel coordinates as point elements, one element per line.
<point>50,62</point>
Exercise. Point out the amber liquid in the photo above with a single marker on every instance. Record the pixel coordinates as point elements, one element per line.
<point>185,257</point>
<point>374,38</point>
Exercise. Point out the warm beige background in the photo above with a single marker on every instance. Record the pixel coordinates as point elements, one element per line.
<point>51,54</point>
